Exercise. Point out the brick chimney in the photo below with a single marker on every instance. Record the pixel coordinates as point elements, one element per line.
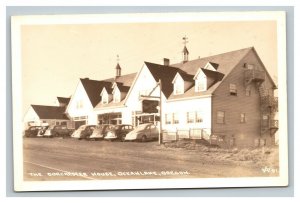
<point>166,62</point>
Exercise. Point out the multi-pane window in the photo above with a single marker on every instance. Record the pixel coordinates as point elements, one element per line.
<point>175,118</point>
<point>232,89</point>
<point>199,118</point>
<point>190,117</point>
<point>194,117</point>
<point>220,117</point>
<point>178,88</point>
<point>243,118</point>
<point>168,118</point>
<point>200,84</point>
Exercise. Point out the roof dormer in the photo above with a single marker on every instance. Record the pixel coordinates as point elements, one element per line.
<point>104,96</point>
<point>205,77</point>
<point>200,81</point>
<point>211,66</point>
<point>181,83</point>
<point>178,84</point>
<point>116,94</point>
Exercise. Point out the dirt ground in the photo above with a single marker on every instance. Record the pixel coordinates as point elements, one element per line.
<point>55,159</point>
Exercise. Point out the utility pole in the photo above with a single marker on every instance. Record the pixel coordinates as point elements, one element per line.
<point>160,114</point>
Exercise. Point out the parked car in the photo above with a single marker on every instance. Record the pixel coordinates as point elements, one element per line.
<point>83,132</point>
<point>143,133</point>
<point>118,132</point>
<point>100,131</point>
<point>32,131</point>
<point>42,131</point>
<point>57,131</point>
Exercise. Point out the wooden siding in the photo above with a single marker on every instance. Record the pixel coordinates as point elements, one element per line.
<point>243,134</point>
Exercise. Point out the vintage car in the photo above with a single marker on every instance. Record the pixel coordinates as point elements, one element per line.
<point>143,133</point>
<point>32,131</point>
<point>58,131</point>
<point>100,131</point>
<point>83,132</point>
<point>118,132</point>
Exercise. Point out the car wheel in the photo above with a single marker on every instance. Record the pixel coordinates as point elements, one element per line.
<point>123,138</point>
<point>144,138</point>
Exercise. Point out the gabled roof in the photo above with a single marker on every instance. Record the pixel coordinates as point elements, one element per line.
<point>124,89</point>
<point>50,112</point>
<point>185,77</point>
<point>164,73</point>
<point>125,79</point>
<point>214,65</point>
<point>123,83</point>
<point>63,100</point>
<point>213,74</point>
<point>108,90</point>
<point>93,89</point>
<point>227,61</point>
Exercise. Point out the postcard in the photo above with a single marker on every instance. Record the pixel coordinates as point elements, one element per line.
<point>149,101</point>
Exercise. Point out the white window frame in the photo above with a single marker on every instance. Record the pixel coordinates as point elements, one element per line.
<point>178,87</point>
<point>200,82</point>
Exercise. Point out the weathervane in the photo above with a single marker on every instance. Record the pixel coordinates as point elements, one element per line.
<point>118,58</point>
<point>185,40</point>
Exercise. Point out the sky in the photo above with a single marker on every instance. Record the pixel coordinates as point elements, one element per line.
<point>54,57</point>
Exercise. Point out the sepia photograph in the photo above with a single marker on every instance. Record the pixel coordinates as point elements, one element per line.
<point>144,101</point>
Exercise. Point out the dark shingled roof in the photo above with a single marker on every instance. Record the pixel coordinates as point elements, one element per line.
<point>166,74</point>
<point>213,74</point>
<point>126,80</point>
<point>224,63</point>
<point>93,89</point>
<point>227,61</point>
<point>124,89</point>
<point>63,100</point>
<point>50,112</point>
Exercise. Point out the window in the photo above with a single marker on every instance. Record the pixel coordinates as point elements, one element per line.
<point>220,117</point>
<point>232,89</point>
<point>178,87</point>
<point>168,119</point>
<point>200,84</point>
<point>198,117</point>
<point>243,118</point>
<point>175,118</point>
<point>249,66</point>
<point>190,117</point>
<point>57,123</point>
<point>63,123</point>
<point>194,117</point>
<point>248,91</point>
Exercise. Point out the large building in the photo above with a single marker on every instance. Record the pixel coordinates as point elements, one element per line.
<point>226,99</point>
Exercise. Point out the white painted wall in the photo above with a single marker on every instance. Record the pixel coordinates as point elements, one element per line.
<point>87,108</point>
<point>181,107</point>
